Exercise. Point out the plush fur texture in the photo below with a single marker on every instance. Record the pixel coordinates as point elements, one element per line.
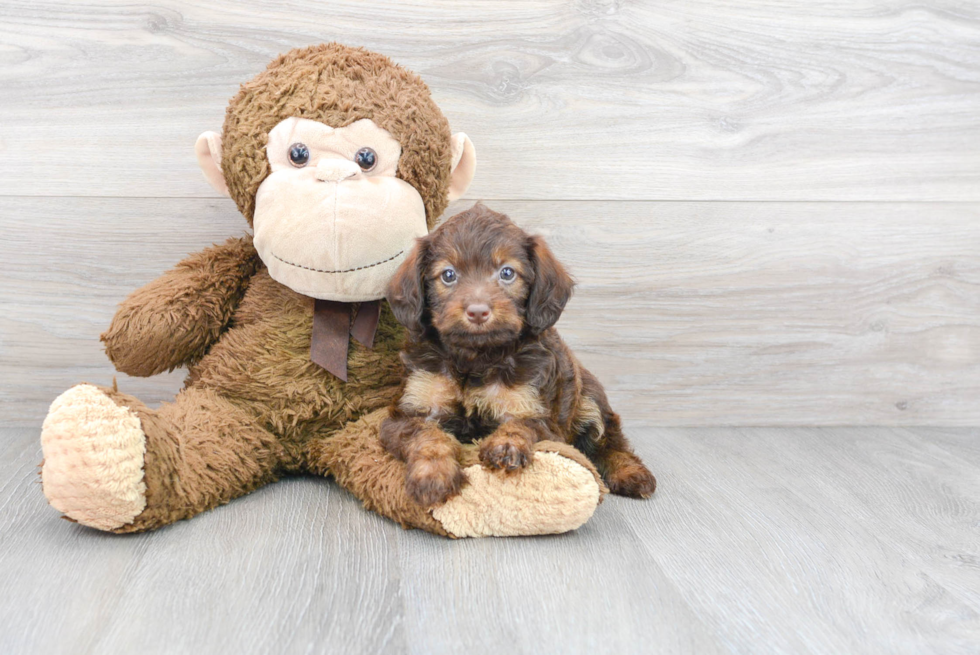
<point>94,452</point>
<point>255,403</point>
<point>505,505</point>
<point>338,85</point>
<point>480,297</point>
<point>174,320</point>
<point>254,406</point>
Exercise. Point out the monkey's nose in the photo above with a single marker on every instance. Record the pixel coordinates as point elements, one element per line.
<point>336,170</point>
<point>478,314</point>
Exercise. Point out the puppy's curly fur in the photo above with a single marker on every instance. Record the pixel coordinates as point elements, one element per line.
<point>479,297</point>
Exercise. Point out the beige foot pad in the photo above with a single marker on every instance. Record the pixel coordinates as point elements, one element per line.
<point>93,459</point>
<point>553,495</point>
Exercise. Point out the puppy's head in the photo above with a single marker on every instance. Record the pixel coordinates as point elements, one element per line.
<point>479,281</point>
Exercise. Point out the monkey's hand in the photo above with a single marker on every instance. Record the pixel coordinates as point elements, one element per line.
<point>174,319</point>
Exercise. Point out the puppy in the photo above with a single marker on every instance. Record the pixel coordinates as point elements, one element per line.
<point>479,297</point>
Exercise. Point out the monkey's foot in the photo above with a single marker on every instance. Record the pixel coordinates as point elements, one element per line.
<point>557,493</point>
<point>93,459</point>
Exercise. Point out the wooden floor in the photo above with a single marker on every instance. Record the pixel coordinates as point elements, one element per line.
<point>803,540</point>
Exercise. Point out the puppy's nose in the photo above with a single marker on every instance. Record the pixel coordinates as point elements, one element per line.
<point>336,170</point>
<point>478,314</point>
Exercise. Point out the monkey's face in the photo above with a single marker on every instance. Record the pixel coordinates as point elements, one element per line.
<point>331,220</point>
<point>336,198</point>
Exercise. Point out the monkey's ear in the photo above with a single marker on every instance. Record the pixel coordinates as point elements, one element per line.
<point>406,291</point>
<point>208,149</point>
<point>464,166</point>
<point>551,289</point>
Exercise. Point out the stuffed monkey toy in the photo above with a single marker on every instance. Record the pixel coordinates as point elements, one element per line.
<point>338,159</point>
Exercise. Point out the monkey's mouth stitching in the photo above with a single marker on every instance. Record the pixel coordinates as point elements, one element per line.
<point>346,270</point>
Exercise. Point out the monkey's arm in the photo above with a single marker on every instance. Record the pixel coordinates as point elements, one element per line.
<point>174,319</point>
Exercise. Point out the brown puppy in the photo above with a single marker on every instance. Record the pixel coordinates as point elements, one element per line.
<point>479,297</point>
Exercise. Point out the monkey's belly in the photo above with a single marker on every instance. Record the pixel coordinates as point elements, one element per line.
<point>262,363</point>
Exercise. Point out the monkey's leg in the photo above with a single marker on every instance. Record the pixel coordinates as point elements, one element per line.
<point>113,464</point>
<point>557,493</point>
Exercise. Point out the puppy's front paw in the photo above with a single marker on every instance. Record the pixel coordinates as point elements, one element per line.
<point>506,451</point>
<point>434,481</point>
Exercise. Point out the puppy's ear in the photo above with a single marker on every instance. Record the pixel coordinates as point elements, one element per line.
<point>551,289</point>
<point>406,291</point>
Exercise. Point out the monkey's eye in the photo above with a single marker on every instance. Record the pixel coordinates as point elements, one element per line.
<point>366,158</point>
<point>299,154</point>
<point>507,274</point>
<point>448,276</point>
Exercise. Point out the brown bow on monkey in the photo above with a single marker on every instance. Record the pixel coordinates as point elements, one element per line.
<point>332,323</point>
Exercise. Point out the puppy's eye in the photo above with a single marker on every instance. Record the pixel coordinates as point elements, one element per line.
<point>366,158</point>
<point>448,276</point>
<point>299,154</point>
<point>507,274</point>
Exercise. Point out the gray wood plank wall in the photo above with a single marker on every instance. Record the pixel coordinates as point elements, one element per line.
<point>772,208</point>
